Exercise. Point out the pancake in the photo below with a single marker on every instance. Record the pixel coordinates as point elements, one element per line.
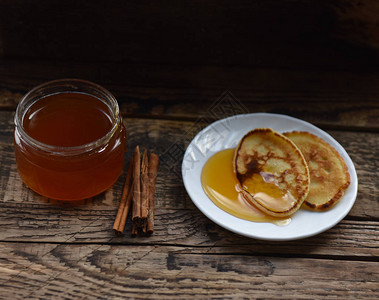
<point>271,171</point>
<point>329,176</point>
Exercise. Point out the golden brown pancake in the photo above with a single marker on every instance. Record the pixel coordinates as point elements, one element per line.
<point>329,176</point>
<point>271,171</point>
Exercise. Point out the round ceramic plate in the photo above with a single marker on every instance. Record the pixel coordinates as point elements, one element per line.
<point>225,134</point>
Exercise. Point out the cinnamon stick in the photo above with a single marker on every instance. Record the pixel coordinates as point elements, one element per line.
<point>125,212</point>
<point>125,202</point>
<point>136,186</point>
<point>152,173</point>
<point>144,191</point>
<point>138,193</point>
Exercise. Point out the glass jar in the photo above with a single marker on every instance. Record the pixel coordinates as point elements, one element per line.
<point>69,139</point>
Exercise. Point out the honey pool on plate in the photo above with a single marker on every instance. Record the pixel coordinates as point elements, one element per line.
<point>221,186</point>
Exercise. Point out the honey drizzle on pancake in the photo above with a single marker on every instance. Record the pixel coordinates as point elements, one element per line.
<point>221,186</point>
<point>267,162</point>
<point>264,187</point>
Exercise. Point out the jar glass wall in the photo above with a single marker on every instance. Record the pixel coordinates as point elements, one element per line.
<point>69,139</point>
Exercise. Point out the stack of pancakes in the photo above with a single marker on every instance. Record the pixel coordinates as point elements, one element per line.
<point>279,173</point>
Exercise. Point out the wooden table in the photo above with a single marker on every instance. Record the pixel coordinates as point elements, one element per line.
<point>51,249</point>
<point>168,65</point>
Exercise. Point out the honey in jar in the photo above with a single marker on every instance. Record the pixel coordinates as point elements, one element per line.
<point>69,139</point>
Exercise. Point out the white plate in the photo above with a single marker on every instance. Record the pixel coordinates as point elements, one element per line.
<point>225,134</point>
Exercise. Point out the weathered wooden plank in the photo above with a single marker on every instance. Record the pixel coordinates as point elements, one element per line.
<point>204,82</point>
<point>354,115</point>
<point>366,164</point>
<point>162,137</point>
<point>333,98</point>
<point>26,216</point>
<point>92,223</point>
<point>96,271</point>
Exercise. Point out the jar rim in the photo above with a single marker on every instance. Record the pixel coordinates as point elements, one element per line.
<point>66,85</point>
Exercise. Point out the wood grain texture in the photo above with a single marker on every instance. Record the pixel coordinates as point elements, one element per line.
<point>90,225</point>
<point>27,217</point>
<point>52,249</point>
<point>98,271</point>
<point>169,140</point>
<point>326,98</point>
<point>174,68</point>
<point>186,82</point>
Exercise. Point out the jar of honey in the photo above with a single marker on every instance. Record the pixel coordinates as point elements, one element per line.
<point>69,139</point>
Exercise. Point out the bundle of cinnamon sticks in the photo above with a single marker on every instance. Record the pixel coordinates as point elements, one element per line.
<point>138,194</point>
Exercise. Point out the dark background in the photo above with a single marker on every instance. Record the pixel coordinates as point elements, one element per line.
<point>190,50</point>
